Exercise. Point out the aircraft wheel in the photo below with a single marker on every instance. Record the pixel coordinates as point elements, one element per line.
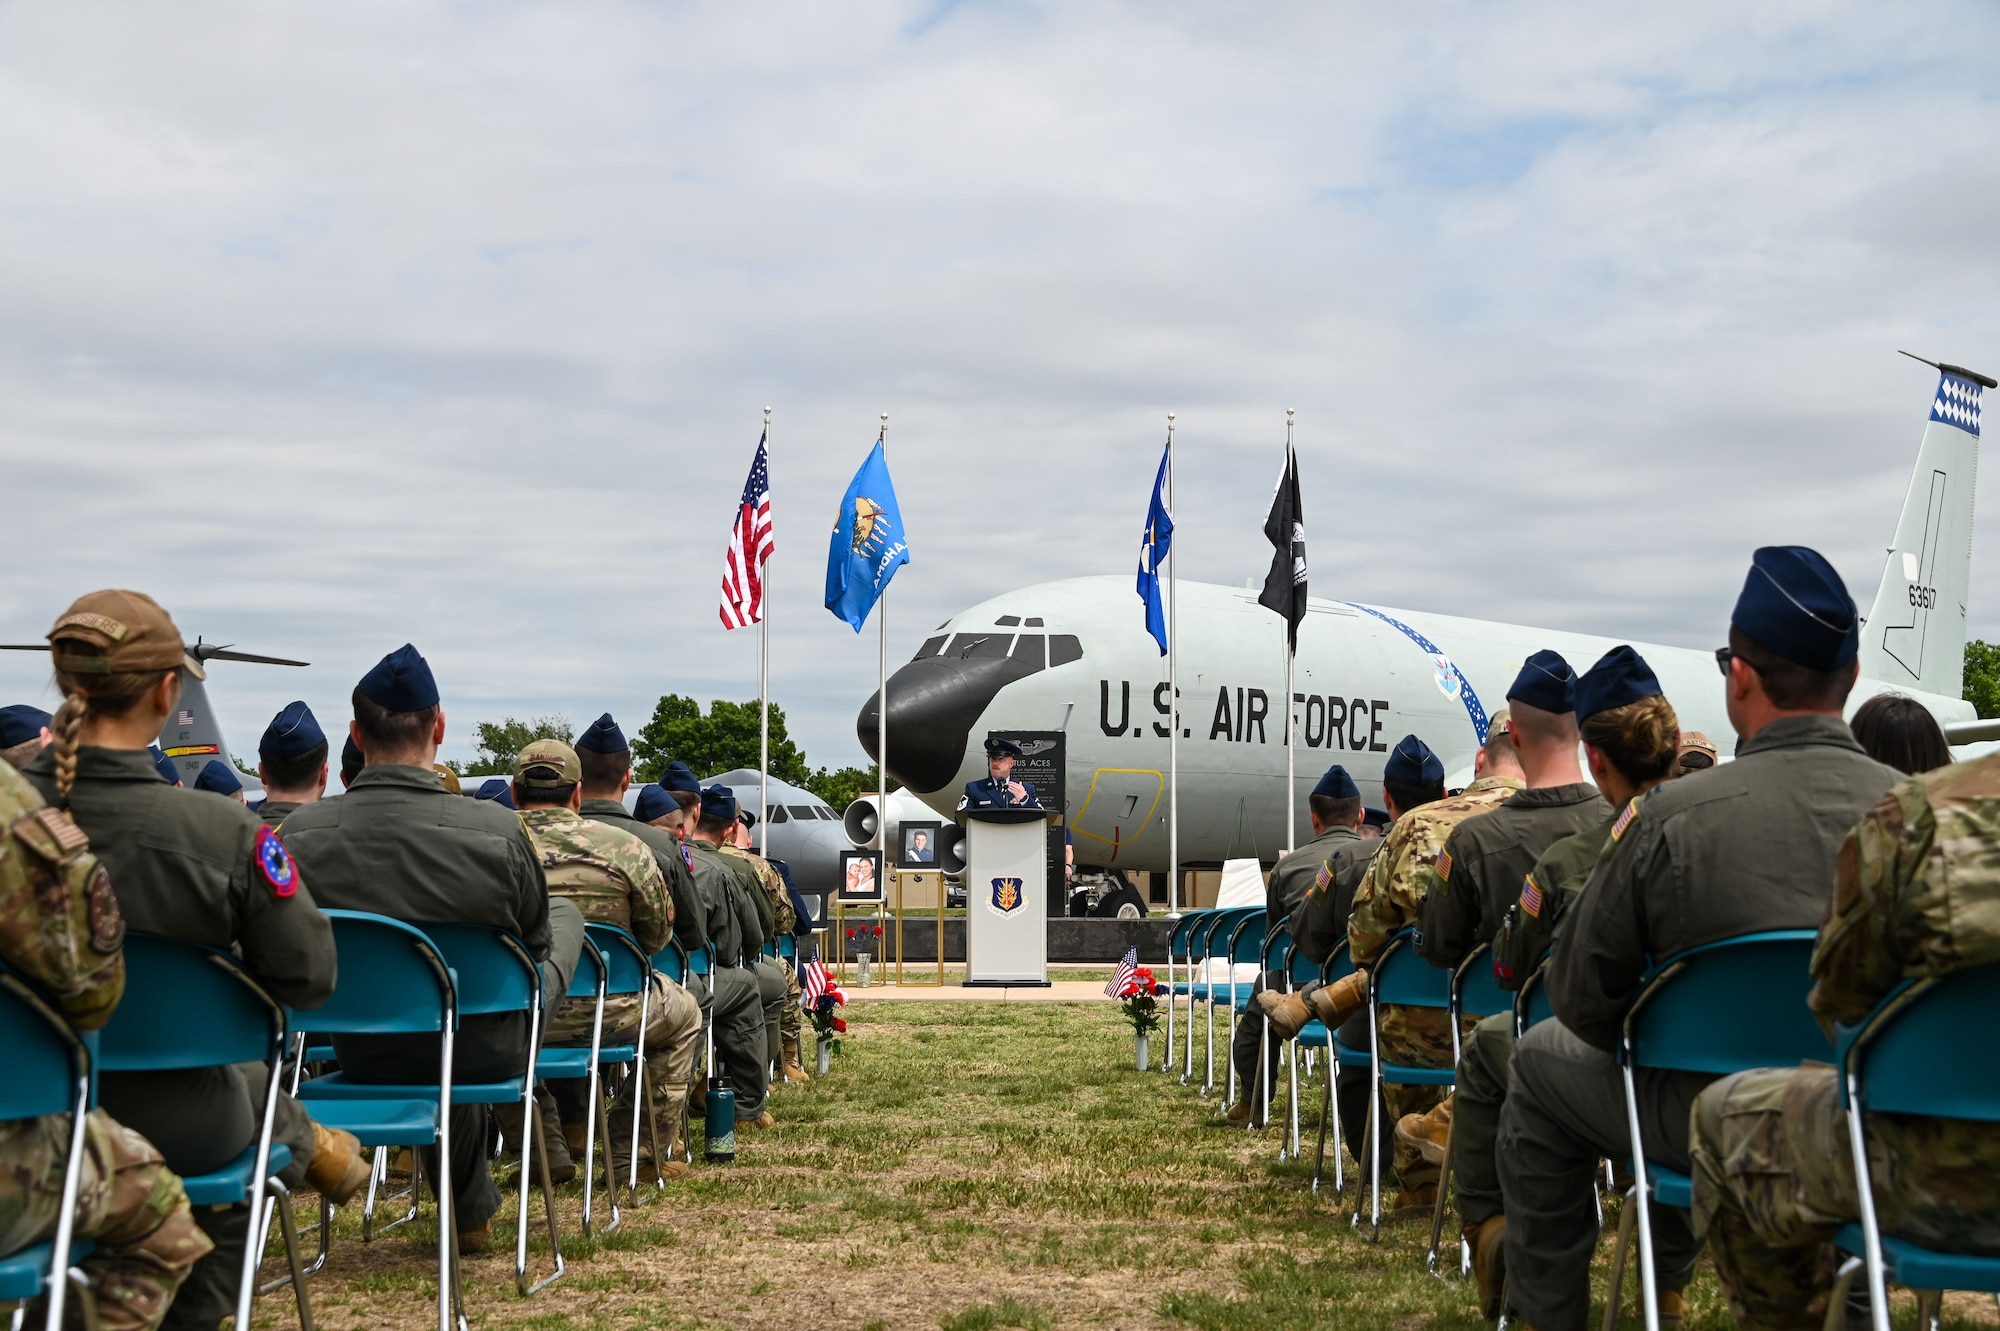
<point>1121,904</point>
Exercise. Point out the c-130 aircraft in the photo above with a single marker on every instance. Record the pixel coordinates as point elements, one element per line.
<point>1073,656</point>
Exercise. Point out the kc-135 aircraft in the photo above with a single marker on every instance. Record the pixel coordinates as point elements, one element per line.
<point>1073,656</point>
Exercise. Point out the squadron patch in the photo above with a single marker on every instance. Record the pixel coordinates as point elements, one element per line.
<point>107,925</point>
<point>1531,897</point>
<point>687,856</point>
<point>275,863</point>
<point>1625,819</point>
<point>1444,866</point>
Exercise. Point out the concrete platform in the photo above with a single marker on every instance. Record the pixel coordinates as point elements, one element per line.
<point>1058,991</point>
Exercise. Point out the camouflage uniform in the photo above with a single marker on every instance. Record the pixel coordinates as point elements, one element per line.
<point>785,919</point>
<point>612,877</point>
<point>1917,893</point>
<point>60,927</point>
<point>1385,904</point>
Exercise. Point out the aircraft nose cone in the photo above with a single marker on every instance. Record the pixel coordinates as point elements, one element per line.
<point>933,705</point>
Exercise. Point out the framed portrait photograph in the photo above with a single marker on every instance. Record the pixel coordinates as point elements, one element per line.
<point>860,875</point>
<point>917,845</point>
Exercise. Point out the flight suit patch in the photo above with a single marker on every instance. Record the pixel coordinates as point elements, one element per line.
<point>107,925</point>
<point>275,863</point>
<point>1625,819</point>
<point>687,856</point>
<point>1444,866</point>
<point>1531,897</point>
<point>1323,879</point>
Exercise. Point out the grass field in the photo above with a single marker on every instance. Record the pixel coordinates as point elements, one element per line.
<point>964,1167</point>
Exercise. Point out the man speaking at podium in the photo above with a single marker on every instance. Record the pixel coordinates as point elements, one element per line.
<point>999,790</point>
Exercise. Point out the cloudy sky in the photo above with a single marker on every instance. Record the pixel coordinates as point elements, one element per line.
<point>337,326</point>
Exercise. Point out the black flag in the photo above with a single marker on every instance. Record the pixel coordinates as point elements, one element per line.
<point>1285,586</point>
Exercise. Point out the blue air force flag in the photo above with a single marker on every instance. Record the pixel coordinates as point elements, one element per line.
<point>867,546</point>
<point>1153,547</point>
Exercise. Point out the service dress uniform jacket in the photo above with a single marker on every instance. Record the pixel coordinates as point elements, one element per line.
<point>1479,874</point>
<point>987,793</point>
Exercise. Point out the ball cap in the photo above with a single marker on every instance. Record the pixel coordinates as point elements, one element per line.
<point>1621,676</point>
<point>718,802</point>
<point>401,682</point>
<point>1411,763</point>
<point>293,733</point>
<point>603,736</point>
<point>217,779</point>
<point>679,777</point>
<point>1545,682</point>
<point>653,804</point>
<point>999,746</point>
<point>1337,784</point>
<point>547,764</point>
<point>1795,604</point>
<point>1697,752</point>
<point>21,723</point>
<point>121,633</point>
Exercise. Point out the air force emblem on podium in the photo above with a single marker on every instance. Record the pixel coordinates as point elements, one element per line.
<point>1007,895</point>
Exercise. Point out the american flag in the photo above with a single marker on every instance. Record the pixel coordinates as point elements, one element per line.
<point>1123,975</point>
<point>750,544</point>
<point>819,982</point>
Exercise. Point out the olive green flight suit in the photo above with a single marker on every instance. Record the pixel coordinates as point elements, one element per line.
<point>738,1015</point>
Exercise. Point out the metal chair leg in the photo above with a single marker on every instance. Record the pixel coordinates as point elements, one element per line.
<point>1437,1207</point>
<point>531,1133</point>
<point>288,1226</point>
<point>1615,1292</point>
<point>610,1166</point>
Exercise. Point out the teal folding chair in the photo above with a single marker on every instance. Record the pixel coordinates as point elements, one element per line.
<point>1909,1056</point>
<point>631,971</point>
<point>1475,992</point>
<point>50,1068</point>
<point>1205,923</point>
<point>1315,1035</point>
<point>1221,930</point>
<point>1275,960</point>
<point>1401,977</point>
<point>1246,948</point>
<point>1688,1017</point>
<point>1177,943</point>
<point>190,1006</point>
<point>581,1063</point>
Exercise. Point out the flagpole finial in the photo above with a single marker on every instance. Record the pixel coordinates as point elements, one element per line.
<point>767,415</point>
<point>1291,411</point>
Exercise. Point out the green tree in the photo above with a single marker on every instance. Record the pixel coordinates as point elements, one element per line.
<point>499,743</point>
<point>1982,677</point>
<point>721,741</point>
<point>840,789</point>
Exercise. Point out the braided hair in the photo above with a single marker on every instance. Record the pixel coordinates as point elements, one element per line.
<point>88,694</point>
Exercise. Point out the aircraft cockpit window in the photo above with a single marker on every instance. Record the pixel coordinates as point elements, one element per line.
<point>1029,650</point>
<point>778,814</point>
<point>804,812</point>
<point>932,647</point>
<point>1008,621</point>
<point>979,646</point>
<point>1064,648</point>
<point>1033,622</point>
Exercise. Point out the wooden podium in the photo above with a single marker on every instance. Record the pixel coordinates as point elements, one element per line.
<point>1006,895</point>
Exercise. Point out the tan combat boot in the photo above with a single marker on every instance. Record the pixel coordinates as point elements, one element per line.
<point>1240,1112</point>
<point>337,1170</point>
<point>793,1068</point>
<point>1412,1203</point>
<point>574,1137</point>
<point>1673,1309</point>
<point>1330,1004</point>
<point>1426,1134</point>
<point>1488,1241</point>
<point>757,1124</point>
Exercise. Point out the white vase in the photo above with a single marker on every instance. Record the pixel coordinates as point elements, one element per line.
<point>825,1055</point>
<point>1142,1053</point>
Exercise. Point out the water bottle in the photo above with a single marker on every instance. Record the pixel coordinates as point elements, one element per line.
<point>721,1121</point>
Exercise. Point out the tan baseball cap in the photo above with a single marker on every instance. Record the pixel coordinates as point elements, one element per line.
<point>548,764</point>
<point>1698,746</point>
<point>127,632</point>
<point>1498,724</point>
<point>449,778</point>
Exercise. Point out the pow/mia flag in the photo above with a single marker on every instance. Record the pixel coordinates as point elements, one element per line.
<point>1285,585</point>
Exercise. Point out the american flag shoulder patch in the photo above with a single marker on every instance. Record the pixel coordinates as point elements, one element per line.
<point>1531,897</point>
<point>1444,866</point>
<point>1625,820</point>
<point>1324,878</point>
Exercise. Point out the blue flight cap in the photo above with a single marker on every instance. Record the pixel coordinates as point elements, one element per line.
<point>498,789</point>
<point>1620,676</point>
<point>1796,605</point>
<point>1546,682</point>
<point>169,770</point>
<point>217,779</point>
<point>718,802</point>
<point>401,682</point>
<point>351,756</point>
<point>293,733</point>
<point>1411,763</point>
<point>999,746</point>
<point>21,723</point>
<point>1337,784</point>
<point>1377,818</point>
<point>604,736</point>
<point>678,777</point>
<point>653,804</point>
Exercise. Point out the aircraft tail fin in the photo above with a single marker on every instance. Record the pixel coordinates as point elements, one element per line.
<point>1914,636</point>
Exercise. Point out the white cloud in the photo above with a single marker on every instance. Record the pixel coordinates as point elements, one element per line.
<point>340,327</point>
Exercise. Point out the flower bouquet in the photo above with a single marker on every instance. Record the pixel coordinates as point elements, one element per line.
<point>1137,993</point>
<point>822,995</point>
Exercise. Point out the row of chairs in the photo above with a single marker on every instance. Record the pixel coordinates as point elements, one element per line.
<point>1907,1057</point>
<point>188,1006</point>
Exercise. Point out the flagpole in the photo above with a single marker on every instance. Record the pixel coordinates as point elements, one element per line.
<point>882,708</point>
<point>1291,717</point>
<point>764,681</point>
<point>1173,704</point>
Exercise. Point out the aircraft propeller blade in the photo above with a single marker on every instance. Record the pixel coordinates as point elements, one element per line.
<point>223,654</point>
<point>23,647</point>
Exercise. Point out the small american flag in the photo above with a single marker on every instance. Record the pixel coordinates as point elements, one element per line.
<point>818,983</point>
<point>1121,977</point>
<point>750,544</point>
